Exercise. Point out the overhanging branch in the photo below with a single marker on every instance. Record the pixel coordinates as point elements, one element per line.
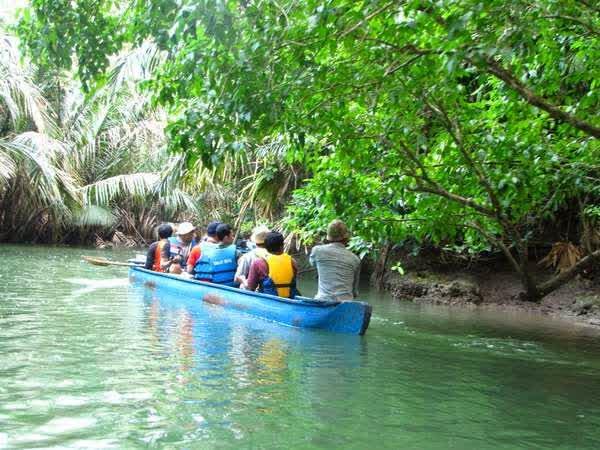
<point>532,98</point>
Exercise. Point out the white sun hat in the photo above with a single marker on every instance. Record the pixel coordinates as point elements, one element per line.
<point>185,228</point>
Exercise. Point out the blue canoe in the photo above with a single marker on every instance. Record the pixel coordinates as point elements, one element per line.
<point>340,317</point>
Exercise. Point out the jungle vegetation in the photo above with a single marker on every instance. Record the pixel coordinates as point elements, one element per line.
<point>470,125</point>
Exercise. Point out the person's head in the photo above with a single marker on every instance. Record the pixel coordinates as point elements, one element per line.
<point>274,242</point>
<point>337,231</point>
<point>165,231</point>
<point>259,234</point>
<point>211,229</point>
<point>185,232</point>
<point>224,234</point>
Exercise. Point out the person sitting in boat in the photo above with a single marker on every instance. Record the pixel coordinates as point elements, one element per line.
<point>215,262</point>
<point>211,233</point>
<point>210,237</point>
<point>181,246</point>
<point>337,267</point>
<point>157,258</point>
<point>275,274</point>
<point>258,237</point>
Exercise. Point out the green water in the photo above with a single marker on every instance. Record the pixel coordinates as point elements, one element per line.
<point>88,362</point>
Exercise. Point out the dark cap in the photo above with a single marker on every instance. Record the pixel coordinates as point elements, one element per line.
<point>211,229</point>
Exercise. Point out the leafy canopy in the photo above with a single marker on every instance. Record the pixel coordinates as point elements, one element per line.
<point>454,121</point>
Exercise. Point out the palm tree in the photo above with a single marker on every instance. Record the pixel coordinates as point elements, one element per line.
<point>104,168</point>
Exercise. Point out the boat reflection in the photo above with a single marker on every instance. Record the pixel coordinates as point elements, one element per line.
<point>212,344</point>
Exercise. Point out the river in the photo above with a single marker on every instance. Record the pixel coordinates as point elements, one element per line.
<point>87,361</point>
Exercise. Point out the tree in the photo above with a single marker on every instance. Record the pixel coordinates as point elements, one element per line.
<point>98,165</point>
<point>454,121</point>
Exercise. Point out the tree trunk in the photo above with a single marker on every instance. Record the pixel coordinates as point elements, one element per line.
<point>380,265</point>
<point>531,293</point>
<point>563,277</point>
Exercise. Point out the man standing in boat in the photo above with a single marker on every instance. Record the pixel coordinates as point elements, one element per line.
<point>338,268</point>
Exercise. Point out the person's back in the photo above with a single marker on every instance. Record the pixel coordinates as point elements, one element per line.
<point>275,273</point>
<point>157,258</point>
<point>281,276</point>
<point>258,238</point>
<point>337,267</point>
<point>217,262</point>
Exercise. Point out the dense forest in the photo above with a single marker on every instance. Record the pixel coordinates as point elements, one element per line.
<point>466,125</point>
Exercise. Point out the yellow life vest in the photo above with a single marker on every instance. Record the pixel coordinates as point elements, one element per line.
<point>281,272</point>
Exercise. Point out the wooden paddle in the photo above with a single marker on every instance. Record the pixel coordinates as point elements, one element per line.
<point>105,262</point>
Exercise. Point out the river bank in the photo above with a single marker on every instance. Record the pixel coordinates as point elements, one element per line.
<point>434,279</point>
<point>487,285</point>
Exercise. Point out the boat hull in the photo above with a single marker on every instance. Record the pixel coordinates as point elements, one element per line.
<point>340,317</point>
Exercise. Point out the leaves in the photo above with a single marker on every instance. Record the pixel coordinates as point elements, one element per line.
<point>563,256</point>
<point>467,124</point>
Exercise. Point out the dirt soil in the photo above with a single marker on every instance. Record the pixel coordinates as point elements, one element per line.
<point>489,284</point>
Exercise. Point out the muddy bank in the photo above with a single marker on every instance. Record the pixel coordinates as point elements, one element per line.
<point>488,284</point>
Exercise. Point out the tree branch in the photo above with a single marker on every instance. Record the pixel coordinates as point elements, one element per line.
<point>366,19</point>
<point>455,131</point>
<point>563,277</point>
<point>532,98</point>
<point>433,187</point>
<point>501,245</point>
<point>585,25</point>
<point>589,5</point>
<point>438,190</point>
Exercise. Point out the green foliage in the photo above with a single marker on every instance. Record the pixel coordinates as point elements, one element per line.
<point>59,32</point>
<point>98,166</point>
<point>398,268</point>
<point>462,123</point>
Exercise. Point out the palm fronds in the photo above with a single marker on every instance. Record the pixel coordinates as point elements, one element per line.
<point>104,191</point>
<point>20,99</point>
<point>137,65</point>
<point>94,216</point>
<point>562,256</point>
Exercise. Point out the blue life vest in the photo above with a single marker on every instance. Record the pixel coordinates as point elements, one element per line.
<point>216,264</point>
<point>176,247</point>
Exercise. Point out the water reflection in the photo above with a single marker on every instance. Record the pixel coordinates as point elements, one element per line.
<point>127,368</point>
<point>227,362</point>
<point>206,335</point>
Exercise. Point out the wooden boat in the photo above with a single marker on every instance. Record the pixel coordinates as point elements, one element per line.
<point>340,317</point>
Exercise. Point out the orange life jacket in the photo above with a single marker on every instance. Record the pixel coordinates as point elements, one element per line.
<point>157,256</point>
